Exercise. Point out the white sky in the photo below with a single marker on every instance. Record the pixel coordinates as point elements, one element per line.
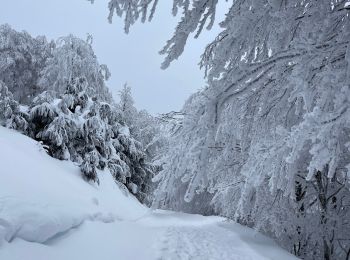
<point>131,58</point>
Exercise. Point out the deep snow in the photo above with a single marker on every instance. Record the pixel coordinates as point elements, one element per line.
<point>48,212</point>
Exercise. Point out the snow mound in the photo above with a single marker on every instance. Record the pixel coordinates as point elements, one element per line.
<point>41,197</point>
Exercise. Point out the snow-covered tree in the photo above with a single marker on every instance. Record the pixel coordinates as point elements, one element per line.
<point>195,15</point>
<point>266,143</point>
<point>22,57</point>
<point>11,115</point>
<point>92,133</point>
<point>126,104</point>
<point>72,58</point>
<point>143,126</point>
<point>151,134</point>
<point>41,113</point>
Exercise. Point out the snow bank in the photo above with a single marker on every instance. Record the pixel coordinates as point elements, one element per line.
<point>41,197</point>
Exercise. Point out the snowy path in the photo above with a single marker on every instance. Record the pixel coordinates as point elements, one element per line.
<point>194,237</point>
<point>204,243</point>
<point>159,235</point>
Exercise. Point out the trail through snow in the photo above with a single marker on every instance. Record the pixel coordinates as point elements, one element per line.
<point>47,212</point>
<point>159,235</point>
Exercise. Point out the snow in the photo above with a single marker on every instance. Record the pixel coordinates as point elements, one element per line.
<point>41,196</point>
<point>124,130</point>
<point>48,212</point>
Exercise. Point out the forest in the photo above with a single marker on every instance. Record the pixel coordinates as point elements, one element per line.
<point>265,143</point>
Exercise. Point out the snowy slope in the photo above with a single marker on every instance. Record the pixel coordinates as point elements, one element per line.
<point>48,212</point>
<point>41,196</point>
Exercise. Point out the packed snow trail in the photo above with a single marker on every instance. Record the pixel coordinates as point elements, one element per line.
<point>159,235</point>
<point>47,212</point>
<point>208,242</point>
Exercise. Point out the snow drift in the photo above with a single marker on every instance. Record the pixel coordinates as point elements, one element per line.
<point>41,197</point>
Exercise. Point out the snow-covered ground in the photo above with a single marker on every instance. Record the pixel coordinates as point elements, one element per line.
<point>48,212</point>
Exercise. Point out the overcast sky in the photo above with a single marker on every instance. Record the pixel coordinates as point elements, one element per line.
<point>131,58</point>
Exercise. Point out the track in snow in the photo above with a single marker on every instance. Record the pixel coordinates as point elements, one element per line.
<point>210,243</point>
<point>194,237</point>
<point>159,235</point>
